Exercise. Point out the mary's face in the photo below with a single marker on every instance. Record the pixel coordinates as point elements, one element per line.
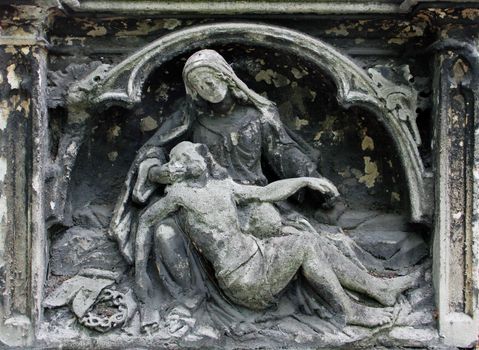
<point>206,83</point>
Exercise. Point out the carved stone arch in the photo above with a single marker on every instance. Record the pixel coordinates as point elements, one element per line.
<point>394,105</point>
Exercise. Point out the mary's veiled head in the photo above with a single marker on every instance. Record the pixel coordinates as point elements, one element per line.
<point>206,74</point>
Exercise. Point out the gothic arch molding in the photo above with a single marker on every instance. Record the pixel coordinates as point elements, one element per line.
<point>392,104</point>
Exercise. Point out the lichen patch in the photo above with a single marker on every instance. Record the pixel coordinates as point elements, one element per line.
<point>97,31</point>
<point>367,143</point>
<point>472,14</point>
<point>340,30</point>
<point>171,23</point>
<point>271,77</point>
<point>148,124</point>
<point>25,105</point>
<point>3,168</point>
<point>371,173</point>
<point>113,133</point>
<point>298,74</point>
<point>299,123</point>
<point>12,77</point>
<point>4,112</point>
<point>112,156</point>
<point>10,49</point>
<point>395,197</point>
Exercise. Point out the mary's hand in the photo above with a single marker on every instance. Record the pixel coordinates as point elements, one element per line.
<point>144,186</point>
<point>155,174</point>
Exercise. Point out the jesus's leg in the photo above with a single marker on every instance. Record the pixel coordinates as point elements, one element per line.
<point>384,290</point>
<point>292,252</point>
<point>323,278</point>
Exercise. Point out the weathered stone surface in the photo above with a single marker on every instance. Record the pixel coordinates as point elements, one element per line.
<point>79,248</point>
<point>384,105</point>
<point>350,219</point>
<point>399,248</point>
<point>385,222</point>
<point>93,216</point>
<point>81,291</point>
<point>412,337</point>
<point>421,296</point>
<point>382,244</point>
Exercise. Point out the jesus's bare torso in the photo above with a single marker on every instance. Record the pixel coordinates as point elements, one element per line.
<point>211,220</point>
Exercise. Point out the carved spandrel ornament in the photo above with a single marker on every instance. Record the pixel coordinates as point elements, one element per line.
<point>288,266</point>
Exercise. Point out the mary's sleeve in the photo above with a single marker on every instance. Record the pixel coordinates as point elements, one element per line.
<point>134,194</point>
<point>286,157</point>
<point>137,189</point>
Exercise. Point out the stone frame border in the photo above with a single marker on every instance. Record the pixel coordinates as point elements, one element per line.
<point>23,325</point>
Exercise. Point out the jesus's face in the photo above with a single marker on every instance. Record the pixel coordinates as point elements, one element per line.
<point>185,162</point>
<point>208,85</point>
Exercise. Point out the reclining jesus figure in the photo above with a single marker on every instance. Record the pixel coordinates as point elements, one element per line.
<point>253,265</point>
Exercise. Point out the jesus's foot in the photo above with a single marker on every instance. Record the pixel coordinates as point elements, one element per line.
<point>367,316</point>
<point>392,287</point>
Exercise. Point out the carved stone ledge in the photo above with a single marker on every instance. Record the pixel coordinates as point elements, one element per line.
<point>323,7</point>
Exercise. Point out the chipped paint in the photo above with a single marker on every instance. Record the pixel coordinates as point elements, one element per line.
<point>148,124</point>
<point>340,30</point>
<point>346,173</point>
<point>171,23</point>
<point>328,122</point>
<point>11,49</point>
<point>271,77</point>
<point>4,113</point>
<point>25,105</point>
<point>459,70</point>
<point>72,41</point>
<point>370,173</point>
<point>395,197</point>
<point>299,123</point>
<point>472,14</point>
<point>397,41</point>
<point>12,78</point>
<point>97,31</point>
<point>25,50</point>
<point>113,132</point>
<point>161,93</point>
<point>112,156</point>
<point>18,31</point>
<point>3,168</point>
<point>298,74</point>
<point>367,143</point>
<point>318,135</point>
<point>149,26</point>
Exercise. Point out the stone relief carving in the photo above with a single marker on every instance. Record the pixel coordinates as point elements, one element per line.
<point>216,248</point>
<point>400,99</point>
<point>123,85</point>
